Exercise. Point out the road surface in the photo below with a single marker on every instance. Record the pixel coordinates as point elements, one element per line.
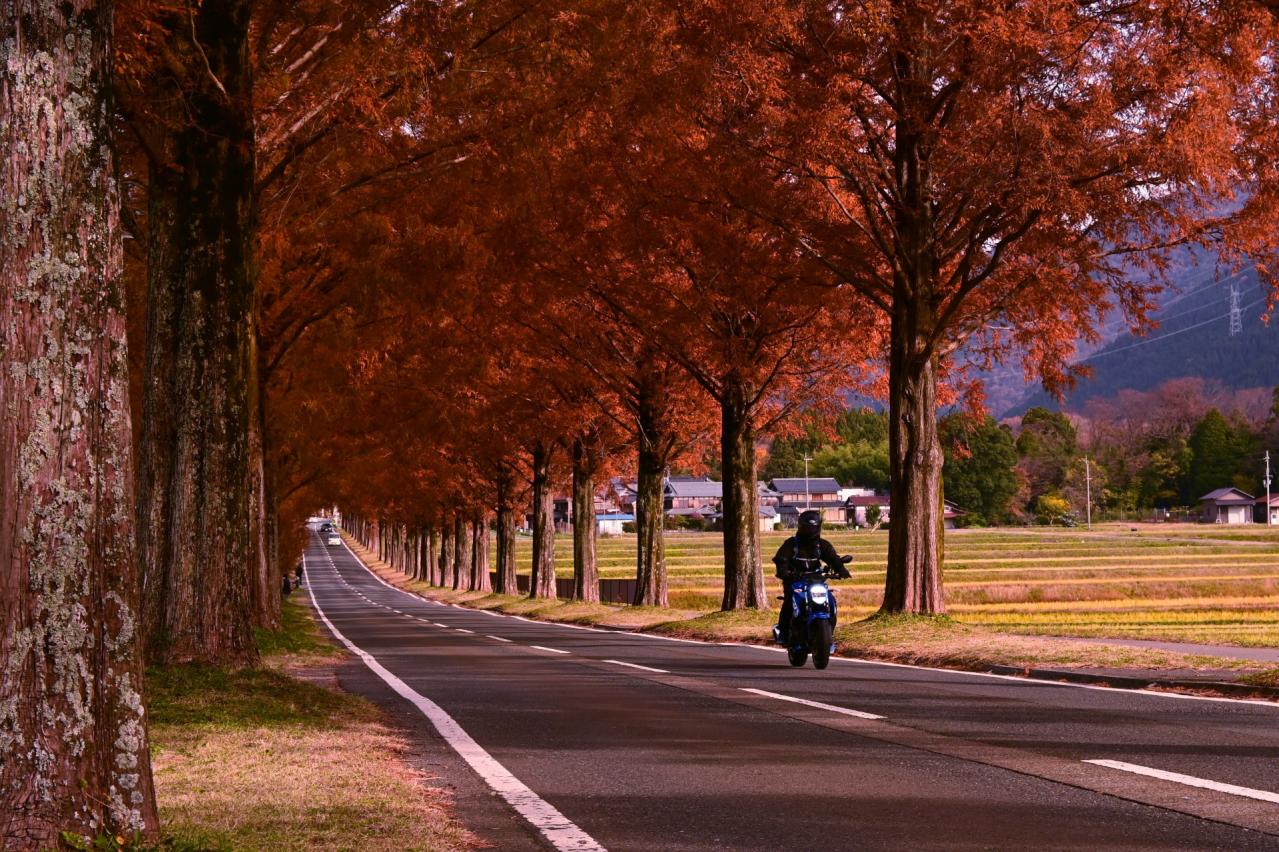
<point>576,738</point>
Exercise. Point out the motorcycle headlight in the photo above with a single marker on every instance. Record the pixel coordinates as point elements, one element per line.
<point>818,593</point>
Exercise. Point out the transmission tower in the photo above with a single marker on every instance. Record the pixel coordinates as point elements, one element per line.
<point>1236,313</point>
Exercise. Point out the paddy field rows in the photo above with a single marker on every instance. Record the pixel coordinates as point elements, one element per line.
<point>1190,583</point>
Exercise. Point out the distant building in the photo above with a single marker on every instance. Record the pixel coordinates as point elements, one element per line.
<point>611,523</point>
<point>1259,514</point>
<point>860,504</point>
<point>1227,506</point>
<point>692,493</point>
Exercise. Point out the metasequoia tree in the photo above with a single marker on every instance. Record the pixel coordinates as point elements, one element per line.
<point>74,755</point>
<point>993,177</point>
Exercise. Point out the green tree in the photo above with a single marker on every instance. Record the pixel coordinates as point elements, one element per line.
<point>1051,508</point>
<point>1220,452</point>
<point>980,472</point>
<point>862,424</point>
<point>860,463</point>
<point>786,456</point>
<point>1048,447</point>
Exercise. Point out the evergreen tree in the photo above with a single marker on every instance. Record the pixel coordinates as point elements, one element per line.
<point>980,473</point>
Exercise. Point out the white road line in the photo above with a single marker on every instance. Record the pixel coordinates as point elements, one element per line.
<point>498,638</point>
<point>637,666</point>
<point>557,828</point>
<point>831,707</point>
<point>1024,681</point>
<point>552,650</point>
<point>1189,780</point>
<point>464,630</point>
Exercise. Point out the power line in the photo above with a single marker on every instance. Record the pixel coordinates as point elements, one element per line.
<point>1169,334</point>
<point>1236,313</point>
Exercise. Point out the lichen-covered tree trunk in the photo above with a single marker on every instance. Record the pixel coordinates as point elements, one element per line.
<point>586,577</point>
<point>542,582</point>
<point>461,552</point>
<point>743,573</point>
<point>480,580</point>
<point>197,467</point>
<point>914,579</point>
<point>446,553</point>
<point>506,583</point>
<point>432,577</point>
<point>653,446</point>
<point>73,736</point>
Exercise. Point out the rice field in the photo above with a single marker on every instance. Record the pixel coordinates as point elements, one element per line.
<point>1189,583</point>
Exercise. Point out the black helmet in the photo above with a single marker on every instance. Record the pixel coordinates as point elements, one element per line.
<point>810,524</point>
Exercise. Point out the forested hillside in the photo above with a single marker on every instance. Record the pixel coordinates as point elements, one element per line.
<point>1193,339</point>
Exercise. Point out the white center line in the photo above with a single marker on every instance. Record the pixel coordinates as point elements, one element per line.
<point>552,650</point>
<point>831,707</point>
<point>464,630</point>
<point>498,638</point>
<point>1189,780</point>
<point>637,666</point>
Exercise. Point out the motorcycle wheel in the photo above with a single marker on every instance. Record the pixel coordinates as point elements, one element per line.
<point>797,656</point>
<point>821,644</point>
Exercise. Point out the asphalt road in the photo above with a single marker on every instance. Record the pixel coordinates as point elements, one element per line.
<point>634,742</point>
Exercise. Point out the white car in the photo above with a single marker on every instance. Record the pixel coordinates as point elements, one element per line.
<point>333,539</point>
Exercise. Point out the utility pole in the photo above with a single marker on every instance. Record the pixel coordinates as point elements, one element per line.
<point>1088,490</point>
<point>807,500</point>
<point>1267,481</point>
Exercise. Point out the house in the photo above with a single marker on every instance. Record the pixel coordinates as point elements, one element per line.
<point>951,514</point>
<point>681,492</point>
<point>767,496</point>
<point>1227,506</point>
<point>767,519</point>
<point>859,506</point>
<point>801,491</point>
<point>619,496</point>
<point>611,523</point>
<point>1259,514</point>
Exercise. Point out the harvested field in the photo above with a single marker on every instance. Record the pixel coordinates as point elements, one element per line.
<point>1186,583</point>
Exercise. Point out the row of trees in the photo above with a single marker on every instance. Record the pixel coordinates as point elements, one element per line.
<point>428,260</point>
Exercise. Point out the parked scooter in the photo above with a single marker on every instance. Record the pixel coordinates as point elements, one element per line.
<point>813,613</point>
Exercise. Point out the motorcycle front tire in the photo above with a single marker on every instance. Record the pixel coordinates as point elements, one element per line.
<point>797,656</point>
<point>820,637</point>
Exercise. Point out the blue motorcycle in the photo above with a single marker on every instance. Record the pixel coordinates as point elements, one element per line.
<point>813,613</point>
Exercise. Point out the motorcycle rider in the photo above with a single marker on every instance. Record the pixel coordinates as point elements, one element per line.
<point>800,553</point>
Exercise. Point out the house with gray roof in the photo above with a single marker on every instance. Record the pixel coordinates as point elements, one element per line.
<point>1227,506</point>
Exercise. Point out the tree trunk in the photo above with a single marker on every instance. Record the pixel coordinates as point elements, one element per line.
<point>197,532</point>
<point>650,509</point>
<point>461,552</point>
<point>480,581</point>
<point>586,577</point>
<point>506,583</point>
<point>743,574</point>
<point>432,556</point>
<point>542,581</point>
<point>446,554</point>
<point>74,754</point>
<point>914,581</point>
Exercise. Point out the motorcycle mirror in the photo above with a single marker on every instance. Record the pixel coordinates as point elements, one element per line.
<point>845,559</point>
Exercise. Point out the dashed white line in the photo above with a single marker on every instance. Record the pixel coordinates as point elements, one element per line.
<point>498,638</point>
<point>1188,780</point>
<point>464,630</point>
<point>637,666</point>
<point>557,828</point>
<point>831,707</point>
<point>552,650</point>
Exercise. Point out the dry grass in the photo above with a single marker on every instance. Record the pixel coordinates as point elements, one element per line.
<point>265,758</point>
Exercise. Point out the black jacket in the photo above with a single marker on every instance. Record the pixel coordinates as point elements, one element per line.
<point>819,549</point>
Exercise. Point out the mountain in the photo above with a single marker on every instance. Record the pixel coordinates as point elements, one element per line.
<point>1193,338</point>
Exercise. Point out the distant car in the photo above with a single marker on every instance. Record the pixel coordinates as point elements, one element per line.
<point>333,539</point>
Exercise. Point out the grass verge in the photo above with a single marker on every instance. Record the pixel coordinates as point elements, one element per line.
<point>276,757</point>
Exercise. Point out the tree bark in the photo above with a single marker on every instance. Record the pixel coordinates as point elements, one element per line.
<point>506,583</point>
<point>74,753</point>
<point>461,552</point>
<point>446,554</point>
<point>914,580</point>
<point>196,482</point>
<point>432,555</point>
<point>542,581</point>
<point>480,580</point>
<point>586,577</point>
<point>650,510</point>
<point>743,574</point>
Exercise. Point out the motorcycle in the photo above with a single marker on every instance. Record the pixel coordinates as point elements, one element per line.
<point>813,613</point>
